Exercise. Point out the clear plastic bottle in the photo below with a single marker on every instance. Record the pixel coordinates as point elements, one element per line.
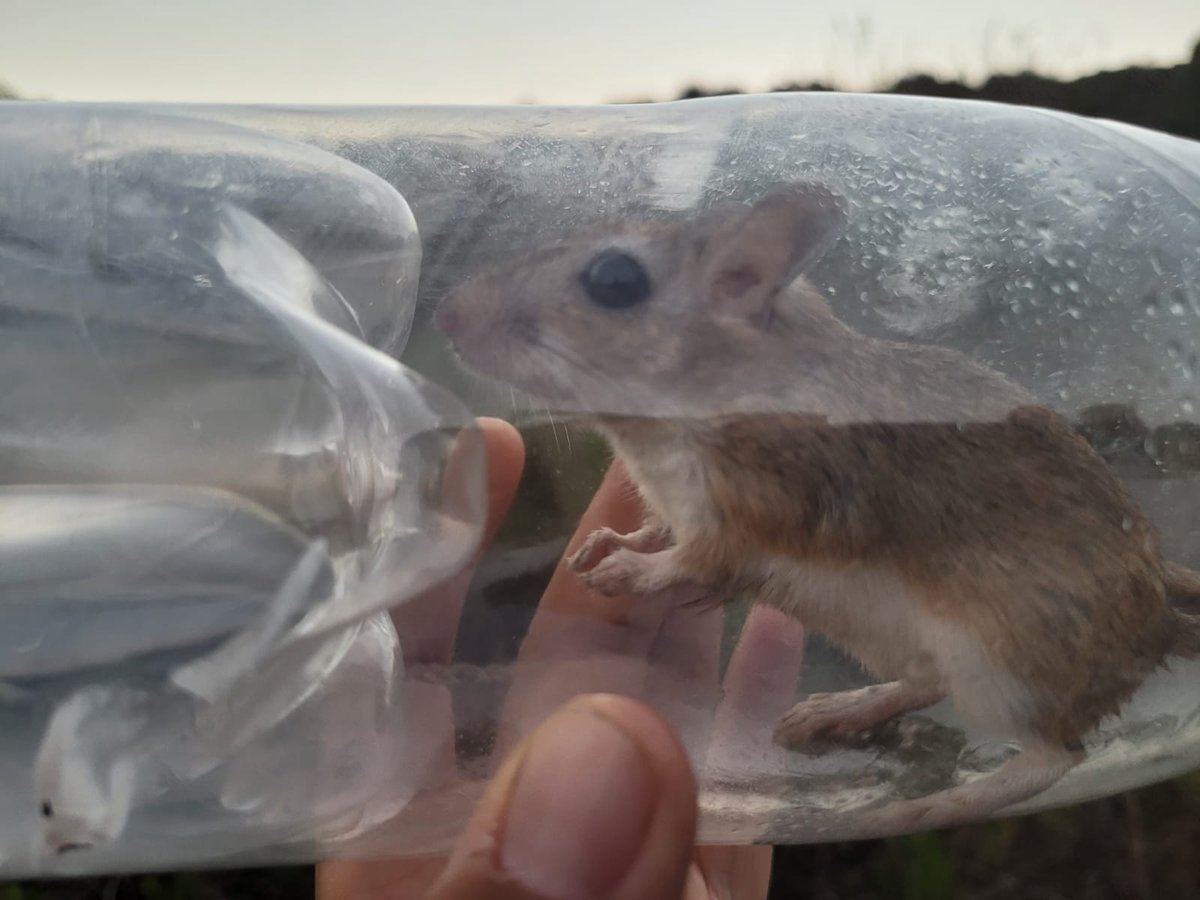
<point>1058,252</point>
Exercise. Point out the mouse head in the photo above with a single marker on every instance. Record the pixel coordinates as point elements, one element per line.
<point>648,317</point>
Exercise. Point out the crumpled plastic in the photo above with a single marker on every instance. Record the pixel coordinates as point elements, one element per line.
<point>213,484</point>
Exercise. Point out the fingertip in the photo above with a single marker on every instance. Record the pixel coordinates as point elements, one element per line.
<point>649,730</point>
<point>503,439</point>
<point>598,802</point>
<point>505,463</point>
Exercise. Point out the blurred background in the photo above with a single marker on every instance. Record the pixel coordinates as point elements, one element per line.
<point>545,51</point>
<point>1138,63</point>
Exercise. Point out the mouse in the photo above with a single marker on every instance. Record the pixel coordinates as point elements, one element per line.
<point>915,507</point>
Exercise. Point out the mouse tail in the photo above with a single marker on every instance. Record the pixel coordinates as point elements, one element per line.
<point>1183,586</point>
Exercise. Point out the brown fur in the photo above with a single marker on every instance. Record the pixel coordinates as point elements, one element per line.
<point>957,510</point>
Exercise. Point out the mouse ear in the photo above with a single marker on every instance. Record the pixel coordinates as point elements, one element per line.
<point>750,254</point>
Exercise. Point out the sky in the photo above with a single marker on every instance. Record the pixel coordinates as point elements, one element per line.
<point>552,51</point>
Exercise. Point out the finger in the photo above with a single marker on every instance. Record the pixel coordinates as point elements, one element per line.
<point>402,879</point>
<point>427,624</point>
<point>759,687</point>
<point>624,831</point>
<point>578,641</point>
<point>685,665</point>
<point>730,873</point>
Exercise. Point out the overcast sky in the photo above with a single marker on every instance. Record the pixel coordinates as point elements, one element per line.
<point>552,51</point>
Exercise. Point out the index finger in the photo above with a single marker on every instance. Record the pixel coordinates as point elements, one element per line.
<point>427,624</point>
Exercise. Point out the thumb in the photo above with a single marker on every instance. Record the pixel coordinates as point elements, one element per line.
<point>599,803</point>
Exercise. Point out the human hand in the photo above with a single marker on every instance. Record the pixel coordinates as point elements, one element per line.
<point>599,800</point>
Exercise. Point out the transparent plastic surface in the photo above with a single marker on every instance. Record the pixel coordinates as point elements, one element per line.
<point>726,287</point>
<point>1057,255</point>
<point>212,490</point>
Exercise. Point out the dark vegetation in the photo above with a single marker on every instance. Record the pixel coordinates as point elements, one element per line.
<point>1166,99</point>
<point>1143,845</point>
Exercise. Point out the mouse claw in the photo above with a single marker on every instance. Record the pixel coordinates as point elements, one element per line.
<point>604,542</point>
<point>599,544</point>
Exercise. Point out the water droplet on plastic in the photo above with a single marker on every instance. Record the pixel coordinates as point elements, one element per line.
<point>1187,361</point>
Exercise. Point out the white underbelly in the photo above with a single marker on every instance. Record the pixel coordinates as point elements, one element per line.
<point>866,611</point>
<point>872,614</point>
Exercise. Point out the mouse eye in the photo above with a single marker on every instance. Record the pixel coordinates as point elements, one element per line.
<point>615,280</point>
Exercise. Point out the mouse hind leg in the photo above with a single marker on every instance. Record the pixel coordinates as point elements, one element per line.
<point>1039,765</point>
<point>846,713</point>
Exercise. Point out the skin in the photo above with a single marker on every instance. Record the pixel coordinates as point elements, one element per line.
<point>543,709</point>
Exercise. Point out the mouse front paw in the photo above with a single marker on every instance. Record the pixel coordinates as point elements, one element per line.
<point>603,542</point>
<point>617,573</point>
<point>599,544</point>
